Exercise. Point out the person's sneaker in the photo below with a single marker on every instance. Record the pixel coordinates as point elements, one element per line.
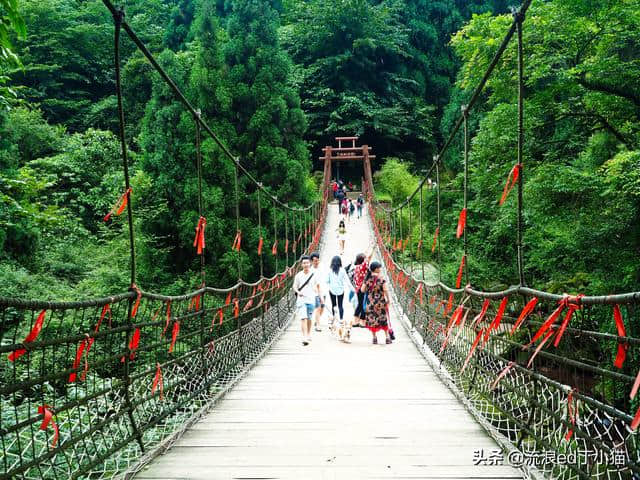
<point>305,342</point>
<point>347,337</point>
<point>318,329</point>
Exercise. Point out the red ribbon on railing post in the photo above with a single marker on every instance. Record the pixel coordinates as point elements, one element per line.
<point>483,311</point>
<point>198,241</point>
<point>511,181</point>
<point>435,239</point>
<point>120,205</point>
<point>31,336</point>
<point>572,409</point>
<point>528,308</point>
<point>133,344</point>
<point>45,410</point>
<point>134,310</point>
<point>622,347</point>
<point>174,335</point>
<point>237,241</point>
<point>462,221</point>
<point>572,308</point>
<point>157,382</point>
<point>460,270</point>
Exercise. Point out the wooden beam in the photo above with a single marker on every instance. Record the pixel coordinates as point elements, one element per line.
<point>346,157</point>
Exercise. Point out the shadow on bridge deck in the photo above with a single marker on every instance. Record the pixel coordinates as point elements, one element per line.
<point>335,411</point>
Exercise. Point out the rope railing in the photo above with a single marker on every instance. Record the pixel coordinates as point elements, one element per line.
<point>533,366</point>
<point>95,388</point>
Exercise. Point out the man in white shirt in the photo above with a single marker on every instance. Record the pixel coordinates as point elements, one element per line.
<point>320,300</point>
<point>306,287</point>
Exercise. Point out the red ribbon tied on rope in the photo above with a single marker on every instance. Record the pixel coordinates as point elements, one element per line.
<point>174,335</point>
<point>236,307</point>
<point>274,248</point>
<point>45,410</point>
<point>572,405</point>
<point>572,307</point>
<point>496,321</point>
<point>106,309</point>
<point>478,318</point>
<point>133,344</point>
<point>622,347</point>
<point>511,181</point>
<point>634,390</point>
<point>435,239</point>
<point>528,308</point>
<point>237,241</point>
<point>198,241</point>
<point>84,347</point>
<point>502,374</point>
<point>462,221</point>
<point>286,246</point>
<point>166,325</point>
<point>33,334</point>
<point>472,349</point>
<point>134,310</point>
<point>540,345</point>
<point>157,382</point>
<point>120,205</point>
<point>260,242</point>
<point>460,270</point>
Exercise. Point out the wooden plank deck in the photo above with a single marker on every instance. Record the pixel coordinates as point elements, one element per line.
<point>334,411</point>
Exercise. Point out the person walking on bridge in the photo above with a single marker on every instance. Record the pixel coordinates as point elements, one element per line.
<point>360,270</point>
<point>340,197</point>
<point>342,235</point>
<point>360,204</point>
<point>339,282</point>
<point>306,288</point>
<point>319,271</point>
<point>378,299</point>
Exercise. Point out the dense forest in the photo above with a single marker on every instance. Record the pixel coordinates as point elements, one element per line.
<point>277,80</point>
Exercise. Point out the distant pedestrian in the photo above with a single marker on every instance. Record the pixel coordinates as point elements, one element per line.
<point>342,235</point>
<point>360,204</point>
<point>345,207</point>
<point>352,209</point>
<point>334,187</point>
<point>339,198</point>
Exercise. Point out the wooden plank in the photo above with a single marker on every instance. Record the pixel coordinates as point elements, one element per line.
<point>335,411</point>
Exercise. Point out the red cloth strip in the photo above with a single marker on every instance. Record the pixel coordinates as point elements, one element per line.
<point>462,221</point>
<point>166,325</point>
<point>460,270</point>
<point>478,318</point>
<point>496,321</point>
<point>133,344</point>
<point>120,205</point>
<point>472,349</point>
<point>539,347</point>
<point>237,241</point>
<point>449,305</point>
<point>174,335</point>
<point>435,239</point>
<point>76,363</point>
<point>274,248</point>
<point>198,241</point>
<point>236,307</point>
<point>286,246</point>
<point>510,183</point>
<point>571,412</point>
<point>572,308</point>
<point>636,385</point>
<point>528,308</point>
<point>157,382</point>
<point>636,420</point>
<point>547,324</point>
<point>45,410</point>
<point>260,242</point>
<point>227,301</point>
<point>106,309</point>
<point>622,347</point>
<point>31,336</point>
<point>134,310</point>
<point>502,374</point>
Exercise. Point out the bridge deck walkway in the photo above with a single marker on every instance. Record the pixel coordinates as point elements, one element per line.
<point>334,411</point>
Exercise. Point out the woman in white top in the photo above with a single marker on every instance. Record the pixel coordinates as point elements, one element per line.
<point>338,283</point>
<point>342,235</point>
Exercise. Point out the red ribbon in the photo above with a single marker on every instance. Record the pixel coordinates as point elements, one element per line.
<point>286,246</point>
<point>260,242</point>
<point>157,381</point>
<point>83,347</point>
<point>528,308</point>
<point>33,334</point>
<point>45,410</point>
<point>547,324</point>
<point>133,344</point>
<point>195,302</point>
<point>460,270</point>
<point>539,347</point>
<point>106,309</point>
<point>449,305</point>
<point>174,335</point>
<point>419,292</point>
<point>462,221</point>
<point>419,247</point>
<point>228,299</point>
<point>511,181</point>
<point>472,349</point>
<point>502,374</point>
<point>496,321</point>
<point>166,325</point>
<point>120,204</point>
<point>636,420</point>
<point>478,318</point>
<point>622,347</point>
<point>571,412</point>
<point>198,242</point>
<point>236,307</point>
<point>435,239</point>
<point>274,248</point>
<point>134,310</point>
<point>635,387</point>
<point>237,241</point>
<point>572,308</point>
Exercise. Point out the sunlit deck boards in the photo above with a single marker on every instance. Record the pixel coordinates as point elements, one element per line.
<point>334,411</point>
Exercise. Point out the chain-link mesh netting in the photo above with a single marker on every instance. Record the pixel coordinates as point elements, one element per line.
<point>565,409</point>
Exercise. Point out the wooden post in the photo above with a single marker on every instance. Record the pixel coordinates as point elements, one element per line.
<point>327,171</point>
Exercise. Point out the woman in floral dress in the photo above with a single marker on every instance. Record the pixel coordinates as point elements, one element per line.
<point>377,302</point>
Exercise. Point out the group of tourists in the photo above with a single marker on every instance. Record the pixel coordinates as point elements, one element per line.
<point>360,281</point>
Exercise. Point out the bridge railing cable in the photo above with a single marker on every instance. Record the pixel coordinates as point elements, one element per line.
<point>95,388</point>
<point>540,370</point>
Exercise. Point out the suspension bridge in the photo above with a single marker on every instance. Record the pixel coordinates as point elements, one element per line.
<point>215,384</point>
